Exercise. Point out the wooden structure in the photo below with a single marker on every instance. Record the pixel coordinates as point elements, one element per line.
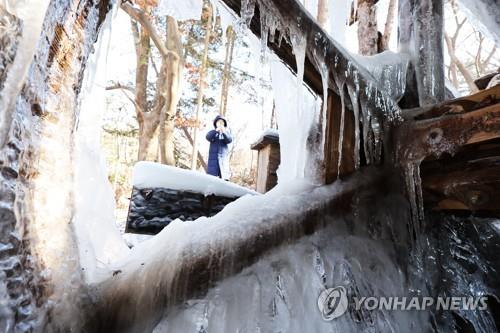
<point>318,42</point>
<point>268,161</point>
<point>458,142</point>
<point>465,127</point>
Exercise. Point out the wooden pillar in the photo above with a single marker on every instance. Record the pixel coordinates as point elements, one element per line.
<point>332,139</point>
<point>268,161</point>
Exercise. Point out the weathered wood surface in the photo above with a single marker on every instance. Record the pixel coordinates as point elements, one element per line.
<point>458,144</point>
<point>451,125</point>
<point>152,209</point>
<point>268,161</point>
<point>469,180</point>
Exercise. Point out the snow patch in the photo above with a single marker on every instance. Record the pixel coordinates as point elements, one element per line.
<point>149,174</point>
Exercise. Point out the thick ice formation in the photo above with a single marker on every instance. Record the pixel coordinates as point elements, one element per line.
<point>280,292</point>
<point>389,70</point>
<point>296,108</point>
<point>31,14</point>
<point>94,197</point>
<point>149,175</point>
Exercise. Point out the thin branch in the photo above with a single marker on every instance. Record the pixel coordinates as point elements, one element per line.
<point>145,22</point>
<point>123,89</point>
<point>154,65</point>
<point>468,78</point>
<point>120,86</point>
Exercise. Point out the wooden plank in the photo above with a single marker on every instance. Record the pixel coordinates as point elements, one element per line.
<point>460,105</point>
<point>332,137</point>
<point>469,180</point>
<point>417,140</point>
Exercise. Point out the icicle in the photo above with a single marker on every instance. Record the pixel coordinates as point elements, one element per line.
<point>341,130</point>
<point>299,45</point>
<point>367,133</point>
<point>324,81</point>
<point>247,11</point>
<point>414,192</point>
<point>353,95</point>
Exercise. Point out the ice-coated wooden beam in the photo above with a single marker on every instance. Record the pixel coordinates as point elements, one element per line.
<point>168,279</point>
<point>458,143</point>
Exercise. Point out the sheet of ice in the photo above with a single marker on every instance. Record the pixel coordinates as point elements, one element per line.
<point>280,292</point>
<point>31,13</point>
<point>99,240</point>
<point>150,174</point>
<point>389,70</point>
<point>181,10</point>
<point>296,110</point>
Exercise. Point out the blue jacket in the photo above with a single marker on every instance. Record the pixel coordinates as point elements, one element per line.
<point>218,154</point>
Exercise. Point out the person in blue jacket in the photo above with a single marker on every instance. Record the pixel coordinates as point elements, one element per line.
<point>218,154</point>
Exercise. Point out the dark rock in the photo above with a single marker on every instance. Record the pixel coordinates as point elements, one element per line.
<point>152,209</point>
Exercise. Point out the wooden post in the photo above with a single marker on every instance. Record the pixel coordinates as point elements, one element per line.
<point>332,138</point>
<point>268,148</point>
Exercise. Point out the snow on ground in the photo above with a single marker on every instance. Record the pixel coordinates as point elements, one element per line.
<point>149,174</point>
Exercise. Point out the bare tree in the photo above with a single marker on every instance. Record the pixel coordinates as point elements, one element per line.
<point>199,100</point>
<point>159,115</point>
<point>368,35</point>
<point>322,15</point>
<point>226,75</point>
<point>391,14</point>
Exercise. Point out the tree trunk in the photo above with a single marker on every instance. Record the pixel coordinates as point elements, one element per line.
<point>367,29</point>
<point>226,76</point>
<point>143,51</point>
<point>322,15</point>
<point>391,13</point>
<point>170,89</point>
<point>199,99</point>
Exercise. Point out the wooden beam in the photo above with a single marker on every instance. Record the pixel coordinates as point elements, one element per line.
<point>460,105</point>
<point>469,180</point>
<point>458,123</point>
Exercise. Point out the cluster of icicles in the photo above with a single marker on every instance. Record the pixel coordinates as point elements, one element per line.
<point>371,95</point>
<point>355,86</point>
